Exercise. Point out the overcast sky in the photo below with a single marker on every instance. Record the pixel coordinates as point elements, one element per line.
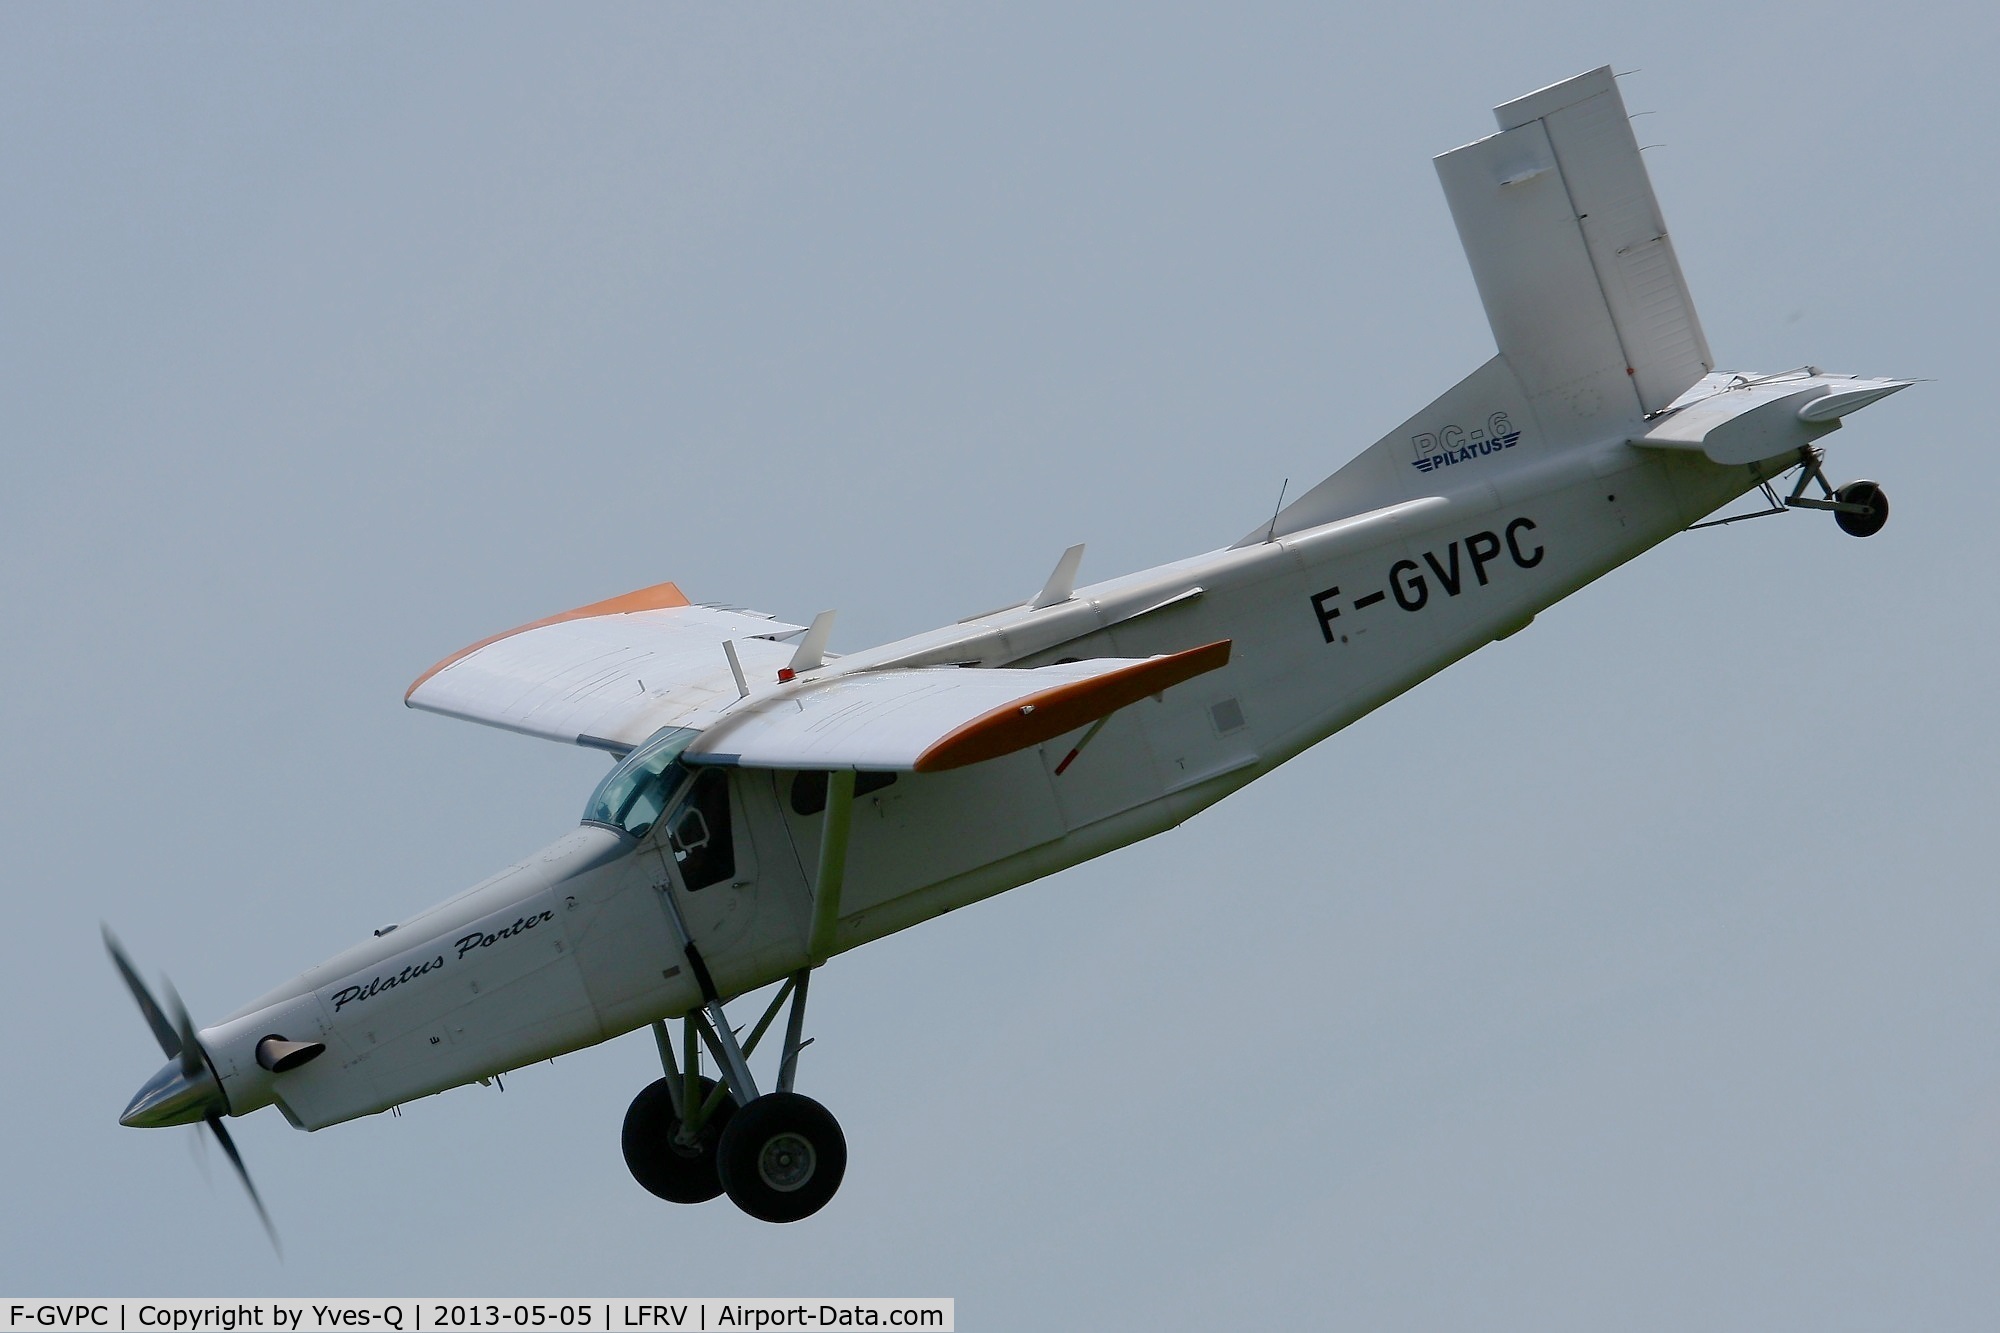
<point>1639,971</point>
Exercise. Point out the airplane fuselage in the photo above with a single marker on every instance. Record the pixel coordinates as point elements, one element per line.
<point>573,945</point>
<point>773,807</point>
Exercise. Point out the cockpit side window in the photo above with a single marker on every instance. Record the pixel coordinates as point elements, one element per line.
<point>698,832</point>
<point>633,794</point>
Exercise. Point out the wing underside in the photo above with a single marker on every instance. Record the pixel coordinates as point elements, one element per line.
<point>612,673</point>
<point>929,719</point>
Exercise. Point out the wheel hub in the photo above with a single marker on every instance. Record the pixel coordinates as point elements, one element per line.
<point>786,1162</point>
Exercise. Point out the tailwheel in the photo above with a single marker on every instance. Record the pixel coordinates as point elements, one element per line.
<point>1859,507</point>
<point>664,1154</point>
<point>781,1157</point>
<point>1871,513</point>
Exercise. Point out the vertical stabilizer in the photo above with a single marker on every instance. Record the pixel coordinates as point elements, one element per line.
<point>1593,320</point>
<point>1470,426</point>
<point>1572,258</point>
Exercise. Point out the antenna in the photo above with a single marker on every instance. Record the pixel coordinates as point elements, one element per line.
<point>812,648</point>
<point>1062,580</point>
<point>736,668</point>
<point>1271,532</point>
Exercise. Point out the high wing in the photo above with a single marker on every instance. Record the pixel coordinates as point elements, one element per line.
<point>606,675</point>
<point>612,673</point>
<point>929,719</point>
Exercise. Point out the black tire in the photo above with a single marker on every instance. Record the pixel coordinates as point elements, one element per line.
<point>782,1157</point>
<point>1862,493</point>
<point>677,1172</point>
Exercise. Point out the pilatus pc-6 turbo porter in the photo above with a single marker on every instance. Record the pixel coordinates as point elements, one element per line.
<point>773,806</point>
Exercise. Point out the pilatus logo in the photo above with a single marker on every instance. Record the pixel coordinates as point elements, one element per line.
<point>1453,445</point>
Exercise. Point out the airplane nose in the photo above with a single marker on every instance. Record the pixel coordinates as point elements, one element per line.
<point>174,1097</point>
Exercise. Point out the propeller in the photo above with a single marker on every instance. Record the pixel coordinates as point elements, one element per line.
<point>186,1089</point>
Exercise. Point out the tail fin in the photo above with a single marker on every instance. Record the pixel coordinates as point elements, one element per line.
<point>1572,258</point>
<point>1580,283</point>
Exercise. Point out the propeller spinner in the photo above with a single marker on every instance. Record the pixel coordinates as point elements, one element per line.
<point>185,1090</point>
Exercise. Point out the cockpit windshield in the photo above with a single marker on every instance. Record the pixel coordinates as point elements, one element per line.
<point>633,794</point>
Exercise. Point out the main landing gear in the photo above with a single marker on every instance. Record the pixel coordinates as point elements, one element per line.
<point>1859,507</point>
<point>779,1156</point>
<point>672,1152</point>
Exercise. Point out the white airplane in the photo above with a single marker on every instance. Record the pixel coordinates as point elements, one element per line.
<point>773,806</point>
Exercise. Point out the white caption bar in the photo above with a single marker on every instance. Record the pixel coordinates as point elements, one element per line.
<point>459,1314</point>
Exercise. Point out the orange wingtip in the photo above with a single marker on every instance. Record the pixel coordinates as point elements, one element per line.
<point>1063,708</point>
<point>659,597</point>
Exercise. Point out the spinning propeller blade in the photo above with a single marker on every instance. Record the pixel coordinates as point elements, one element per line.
<point>214,1122</point>
<point>192,1063</point>
<point>163,1031</point>
<point>185,1090</point>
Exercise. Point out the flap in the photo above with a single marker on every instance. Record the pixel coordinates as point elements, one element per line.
<point>928,719</point>
<point>608,674</point>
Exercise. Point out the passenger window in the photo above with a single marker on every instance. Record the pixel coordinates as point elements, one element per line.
<point>698,832</point>
<point>809,790</point>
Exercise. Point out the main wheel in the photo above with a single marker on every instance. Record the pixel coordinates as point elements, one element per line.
<point>1862,493</point>
<point>782,1157</point>
<point>683,1172</point>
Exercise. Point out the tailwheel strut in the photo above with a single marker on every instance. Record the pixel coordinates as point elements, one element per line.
<point>1859,507</point>
<point>780,1156</point>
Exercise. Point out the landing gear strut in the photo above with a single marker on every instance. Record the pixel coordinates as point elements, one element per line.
<point>1859,507</point>
<point>779,1156</point>
<point>673,1154</point>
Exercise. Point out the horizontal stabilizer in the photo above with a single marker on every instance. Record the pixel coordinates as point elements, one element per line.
<point>929,719</point>
<point>1839,402</point>
<point>1732,419</point>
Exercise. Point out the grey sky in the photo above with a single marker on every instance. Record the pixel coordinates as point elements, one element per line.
<point>1637,972</point>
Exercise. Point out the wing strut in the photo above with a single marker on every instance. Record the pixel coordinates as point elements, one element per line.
<point>832,865</point>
